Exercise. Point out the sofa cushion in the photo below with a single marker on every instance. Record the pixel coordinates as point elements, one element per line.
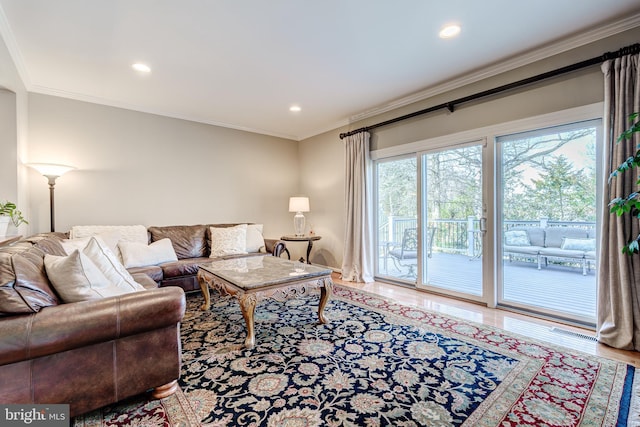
<point>228,240</point>
<point>189,241</point>
<point>153,271</point>
<point>76,278</point>
<point>182,267</point>
<point>24,285</point>
<point>139,255</point>
<point>555,235</point>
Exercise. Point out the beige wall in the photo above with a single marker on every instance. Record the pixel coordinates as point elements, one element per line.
<point>322,157</point>
<point>138,168</point>
<point>13,135</point>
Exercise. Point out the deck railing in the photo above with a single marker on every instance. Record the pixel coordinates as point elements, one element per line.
<point>459,236</point>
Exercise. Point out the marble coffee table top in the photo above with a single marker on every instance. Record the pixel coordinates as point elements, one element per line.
<point>261,271</point>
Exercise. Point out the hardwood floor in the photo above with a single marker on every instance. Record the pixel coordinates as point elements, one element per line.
<point>564,335</point>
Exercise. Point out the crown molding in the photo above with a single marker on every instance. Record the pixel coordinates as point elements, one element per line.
<point>43,90</point>
<point>527,58</point>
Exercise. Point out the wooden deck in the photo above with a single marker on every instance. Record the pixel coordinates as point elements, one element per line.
<point>559,288</point>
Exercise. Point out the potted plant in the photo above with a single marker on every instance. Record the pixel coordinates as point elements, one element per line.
<point>629,204</point>
<point>10,212</point>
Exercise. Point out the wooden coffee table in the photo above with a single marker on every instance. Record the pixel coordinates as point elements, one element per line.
<point>254,279</point>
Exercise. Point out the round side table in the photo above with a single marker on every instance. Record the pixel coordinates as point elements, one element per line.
<point>308,239</point>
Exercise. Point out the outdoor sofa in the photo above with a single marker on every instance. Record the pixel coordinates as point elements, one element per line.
<point>557,243</point>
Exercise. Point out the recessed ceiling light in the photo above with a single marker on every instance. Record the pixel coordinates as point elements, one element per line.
<point>143,68</point>
<point>295,108</point>
<point>448,31</point>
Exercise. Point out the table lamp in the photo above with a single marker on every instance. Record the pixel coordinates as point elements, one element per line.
<point>298,205</point>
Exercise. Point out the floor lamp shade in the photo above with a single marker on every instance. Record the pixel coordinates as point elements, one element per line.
<point>298,205</point>
<point>51,172</point>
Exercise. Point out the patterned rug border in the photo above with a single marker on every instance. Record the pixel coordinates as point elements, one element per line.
<point>495,329</point>
<point>610,368</point>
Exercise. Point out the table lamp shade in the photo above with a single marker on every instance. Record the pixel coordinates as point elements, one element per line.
<point>298,205</point>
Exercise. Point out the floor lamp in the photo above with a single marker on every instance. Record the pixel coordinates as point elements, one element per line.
<point>51,172</point>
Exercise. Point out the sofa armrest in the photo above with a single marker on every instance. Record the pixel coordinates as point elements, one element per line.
<point>275,247</point>
<point>74,325</point>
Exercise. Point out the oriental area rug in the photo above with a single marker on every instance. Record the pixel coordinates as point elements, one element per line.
<point>377,363</point>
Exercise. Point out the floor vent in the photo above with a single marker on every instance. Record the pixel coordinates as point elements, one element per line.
<point>574,334</point>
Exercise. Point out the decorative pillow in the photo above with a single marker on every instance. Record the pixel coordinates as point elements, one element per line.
<point>516,238</point>
<point>228,240</point>
<point>108,238</point>
<point>76,278</point>
<point>141,255</point>
<point>110,266</point>
<point>255,241</point>
<point>128,233</point>
<point>578,244</point>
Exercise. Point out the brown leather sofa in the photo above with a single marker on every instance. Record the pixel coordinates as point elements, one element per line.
<point>192,244</point>
<point>86,354</point>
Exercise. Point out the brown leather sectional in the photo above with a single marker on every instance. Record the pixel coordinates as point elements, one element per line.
<point>93,353</point>
<point>192,244</point>
<point>86,354</point>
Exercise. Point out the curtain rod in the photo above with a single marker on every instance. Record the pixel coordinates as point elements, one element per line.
<point>628,50</point>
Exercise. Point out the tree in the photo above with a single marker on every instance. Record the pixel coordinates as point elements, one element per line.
<point>562,192</point>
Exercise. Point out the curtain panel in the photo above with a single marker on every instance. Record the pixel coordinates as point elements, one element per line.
<point>357,263</point>
<point>618,317</point>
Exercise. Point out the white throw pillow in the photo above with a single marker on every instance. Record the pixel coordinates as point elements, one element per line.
<point>578,244</point>
<point>136,254</point>
<point>108,238</point>
<point>255,241</point>
<point>127,233</point>
<point>76,278</point>
<point>228,240</point>
<point>110,266</point>
<point>516,238</point>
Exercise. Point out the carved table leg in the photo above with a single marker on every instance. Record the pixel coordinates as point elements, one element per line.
<point>325,295</point>
<point>204,287</point>
<point>248,307</point>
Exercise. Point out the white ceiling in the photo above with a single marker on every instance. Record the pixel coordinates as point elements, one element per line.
<point>243,63</point>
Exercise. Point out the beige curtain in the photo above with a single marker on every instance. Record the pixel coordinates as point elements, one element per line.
<point>619,274</point>
<point>357,263</point>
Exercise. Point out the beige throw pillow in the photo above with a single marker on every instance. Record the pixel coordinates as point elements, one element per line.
<point>141,255</point>
<point>76,278</point>
<point>228,240</point>
<point>255,241</point>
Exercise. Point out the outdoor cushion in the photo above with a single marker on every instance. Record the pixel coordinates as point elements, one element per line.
<point>563,253</point>
<point>516,238</point>
<point>554,235</point>
<point>528,250</point>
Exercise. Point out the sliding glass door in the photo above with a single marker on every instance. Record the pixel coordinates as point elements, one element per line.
<point>534,191</point>
<point>397,216</point>
<point>452,221</point>
<point>547,182</point>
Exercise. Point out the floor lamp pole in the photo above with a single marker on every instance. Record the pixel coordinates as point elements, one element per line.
<point>51,172</point>
<point>52,183</point>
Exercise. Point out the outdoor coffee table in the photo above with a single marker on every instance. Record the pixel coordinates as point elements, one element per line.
<point>254,279</point>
